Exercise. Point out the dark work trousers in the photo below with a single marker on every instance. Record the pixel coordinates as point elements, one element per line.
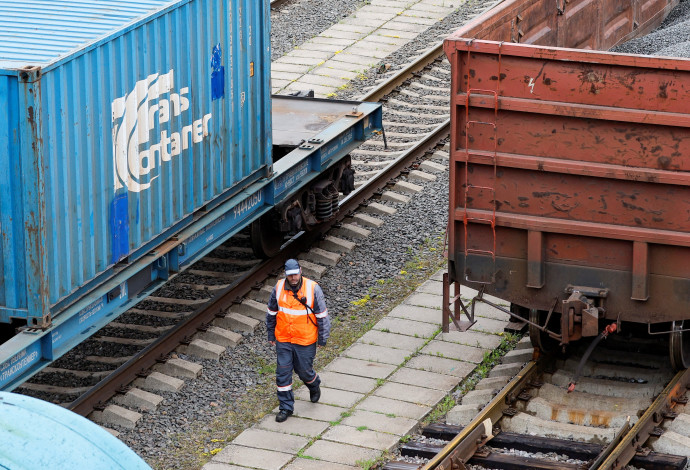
<point>301,359</point>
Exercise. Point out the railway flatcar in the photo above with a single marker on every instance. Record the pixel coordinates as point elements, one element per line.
<point>135,138</point>
<point>570,177</point>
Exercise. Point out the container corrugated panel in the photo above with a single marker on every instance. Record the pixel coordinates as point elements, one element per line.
<point>124,119</point>
<point>570,170</point>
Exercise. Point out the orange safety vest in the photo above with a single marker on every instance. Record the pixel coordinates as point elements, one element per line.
<point>293,323</point>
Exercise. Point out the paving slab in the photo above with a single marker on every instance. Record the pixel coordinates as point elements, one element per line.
<point>474,338</point>
<point>485,310</point>
<point>337,452</point>
<point>423,378</point>
<point>411,393</point>
<point>341,34</point>
<point>250,457</point>
<point>311,464</point>
<point>331,396</point>
<point>489,325</point>
<point>459,352</point>
<point>441,365</point>
<point>392,340</point>
<point>322,55</point>
<point>351,383</point>
<point>285,67</point>
<point>221,466</point>
<point>396,34</point>
<point>336,71</point>
<point>297,60</point>
<point>270,440</point>
<point>399,25</point>
<point>497,301</point>
<point>407,327</point>
<point>368,352</point>
<point>323,80</point>
<point>317,411</point>
<point>361,437</point>
<point>286,76</point>
<point>353,28</point>
<point>413,18</point>
<point>319,91</point>
<point>416,313</point>
<point>346,365</point>
<point>423,299</point>
<point>397,425</point>
<point>294,425</point>
<point>431,287</point>
<point>393,408</point>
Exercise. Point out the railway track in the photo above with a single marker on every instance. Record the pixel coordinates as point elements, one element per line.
<point>617,416</point>
<point>127,349</point>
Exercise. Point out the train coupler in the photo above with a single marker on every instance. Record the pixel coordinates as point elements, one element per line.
<point>581,312</point>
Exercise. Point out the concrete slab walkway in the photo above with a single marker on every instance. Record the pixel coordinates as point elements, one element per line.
<point>330,60</point>
<point>372,395</point>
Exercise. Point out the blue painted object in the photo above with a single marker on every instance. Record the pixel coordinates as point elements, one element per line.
<point>331,123</point>
<point>39,435</point>
<point>120,121</point>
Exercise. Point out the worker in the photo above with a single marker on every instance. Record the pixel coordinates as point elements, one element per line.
<point>296,321</point>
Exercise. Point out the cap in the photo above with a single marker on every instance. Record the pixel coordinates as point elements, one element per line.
<point>291,267</point>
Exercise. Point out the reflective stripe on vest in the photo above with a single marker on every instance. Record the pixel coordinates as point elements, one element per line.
<point>293,323</point>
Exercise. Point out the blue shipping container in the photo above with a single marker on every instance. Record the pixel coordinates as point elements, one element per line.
<point>123,119</point>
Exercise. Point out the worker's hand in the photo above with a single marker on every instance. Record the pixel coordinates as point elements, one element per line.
<point>273,343</point>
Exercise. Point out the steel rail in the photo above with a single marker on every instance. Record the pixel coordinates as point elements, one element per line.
<point>619,456</point>
<point>455,452</point>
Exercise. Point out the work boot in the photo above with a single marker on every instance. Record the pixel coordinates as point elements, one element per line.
<point>283,415</point>
<point>315,394</point>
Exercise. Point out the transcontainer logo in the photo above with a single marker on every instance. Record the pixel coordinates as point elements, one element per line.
<point>139,150</point>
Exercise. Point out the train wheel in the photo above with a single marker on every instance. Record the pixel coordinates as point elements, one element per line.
<point>266,240</point>
<point>679,346</point>
<point>538,338</point>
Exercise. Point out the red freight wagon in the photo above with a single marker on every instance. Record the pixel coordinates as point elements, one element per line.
<point>570,179</point>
